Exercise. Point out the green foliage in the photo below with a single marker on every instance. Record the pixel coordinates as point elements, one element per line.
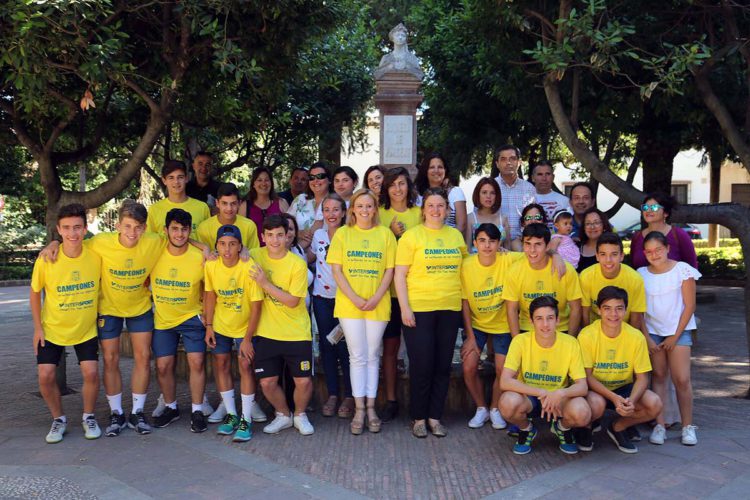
<point>721,262</point>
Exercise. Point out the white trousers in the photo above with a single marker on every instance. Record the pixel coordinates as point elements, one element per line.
<point>364,338</point>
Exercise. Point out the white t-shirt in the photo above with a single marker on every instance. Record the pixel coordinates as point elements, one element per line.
<point>324,284</point>
<point>664,303</point>
<point>552,203</point>
<point>454,195</point>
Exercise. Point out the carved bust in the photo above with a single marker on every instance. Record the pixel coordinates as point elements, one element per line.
<point>401,60</point>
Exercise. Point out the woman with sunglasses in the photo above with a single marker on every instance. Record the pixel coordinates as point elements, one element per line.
<point>262,200</point>
<point>307,208</point>
<point>533,213</point>
<point>595,223</point>
<point>656,209</point>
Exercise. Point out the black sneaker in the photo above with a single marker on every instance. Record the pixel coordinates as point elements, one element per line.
<point>621,440</point>
<point>390,411</point>
<point>584,438</point>
<point>198,422</point>
<point>138,422</point>
<point>116,424</point>
<point>633,434</point>
<point>596,425</point>
<point>166,418</point>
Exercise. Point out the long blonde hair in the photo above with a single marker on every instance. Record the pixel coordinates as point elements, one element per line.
<point>351,218</point>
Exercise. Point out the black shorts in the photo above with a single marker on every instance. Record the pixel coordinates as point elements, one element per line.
<point>51,353</point>
<point>393,330</point>
<point>623,392</point>
<point>271,355</point>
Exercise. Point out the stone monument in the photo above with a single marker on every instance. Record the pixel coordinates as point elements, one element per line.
<point>398,80</point>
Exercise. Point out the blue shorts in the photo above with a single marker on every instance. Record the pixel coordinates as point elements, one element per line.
<point>110,327</point>
<point>686,338</point>
<point>500,341</point>
<point>224,344</point>
<point>623,392</point>
<point>536,407</point>
<point>192,331</point>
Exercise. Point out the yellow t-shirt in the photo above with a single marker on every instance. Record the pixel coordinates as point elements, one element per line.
<point>552,368</point>
<point>434,258</point>
<point>176,286</point>
<point>482,287</point>
<point>614,360</point>
<point>524,284</point>
<point>364,256</point>
<point>412,217</point>
<point>71,295</point>
<point>592,281</point>
<point>157,213</point>
<point>124,272</point>
<point>277,321</point>
<point>234,291</point>
<point>208,228</point>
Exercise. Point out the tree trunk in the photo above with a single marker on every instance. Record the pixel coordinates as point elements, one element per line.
<point>715,160</point>
<point>329,144</point>
<point>659,146</point>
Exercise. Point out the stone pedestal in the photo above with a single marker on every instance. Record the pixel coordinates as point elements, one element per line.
<point>397,99</point>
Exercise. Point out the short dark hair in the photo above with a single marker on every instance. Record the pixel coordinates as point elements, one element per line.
<point>179,216</point>
<point>274,221</point>
<point>203,153</point>
<point>543,301</point>
<point>227,189</point>
<point>609,239</point>
<point>134,210</point>
<point>662,199</point>
<point>390,177</point>
<point>506,147</point>
<point>491,230</point>
<point>611,293</point>
<point>658,236</point>
<point>583,184</point>
<point>349,172</point>
<point>542,163</point>
<point>536,230</point>
<point>299,168</point>
<point>72,210</point>
<point>171,166</point>
<point>370,170</point>
<point>539,208</point>
<point>487,181</point>
<point>326,170</point>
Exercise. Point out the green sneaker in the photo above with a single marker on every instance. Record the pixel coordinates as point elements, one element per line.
<point>244,432</point>
<point>567,441</point>
<point>231,422</point>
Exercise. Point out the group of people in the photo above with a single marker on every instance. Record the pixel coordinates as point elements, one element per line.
<point>398,258</point>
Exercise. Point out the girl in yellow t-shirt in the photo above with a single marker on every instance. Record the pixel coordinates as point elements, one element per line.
<point>362,257</point>
<point>428,283</point>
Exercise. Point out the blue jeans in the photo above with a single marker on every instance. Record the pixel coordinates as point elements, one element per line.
<point>331,355</point>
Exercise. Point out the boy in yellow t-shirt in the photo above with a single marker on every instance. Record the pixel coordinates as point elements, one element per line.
<point>615,356</point>
<point>283,335</point>
<point>228,204</point>
<point>544,377</point>
<point>67,318</point>
<point>231,309</point>
<point>174,175</point>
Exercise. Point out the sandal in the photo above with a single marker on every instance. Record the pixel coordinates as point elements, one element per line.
<point>329,408</point>
<point>373,424</point>
<point>358,422</point>
<point>346,410</point>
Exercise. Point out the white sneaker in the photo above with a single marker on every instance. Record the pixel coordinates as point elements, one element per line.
<point>278,424</point>
<point>207,408</point>
<point>91,428</point>
<point>217,416</point>
<point>480,417</point>
<point>688,435</point>
<point>658,435</point>
<point>498,422</point>
<point>160,407</point>
<point>56,432</point>
<point>257,413</point>
<point>303,425</point>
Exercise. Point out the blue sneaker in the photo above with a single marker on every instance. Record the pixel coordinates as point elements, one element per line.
<point>231,423</point>
<point>567,441</point>
<point>244,432</point>
<point>523,444</point>
<point>513,430</point>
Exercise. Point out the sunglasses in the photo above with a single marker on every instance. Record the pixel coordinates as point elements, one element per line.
<point>318,177</point>
<point>532,217</point>
<point>654,208</point>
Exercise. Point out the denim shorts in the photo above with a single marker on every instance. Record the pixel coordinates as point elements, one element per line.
<point>192,331</point>
<point>110,327</point>
<point>685,339</point>
<point>536,407</point>
<point>500,341</point>
<point>224,344</point>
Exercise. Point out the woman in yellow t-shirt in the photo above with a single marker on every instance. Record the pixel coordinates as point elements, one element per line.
<point>428,283</point>
<point>362,256</point>
<point>398,211</point>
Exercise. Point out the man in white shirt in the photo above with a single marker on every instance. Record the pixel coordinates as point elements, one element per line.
<point>516,192</point>
<point>543,176</point>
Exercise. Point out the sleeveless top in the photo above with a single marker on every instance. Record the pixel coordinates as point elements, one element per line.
<point>473,221</point>
<point>257,214</point>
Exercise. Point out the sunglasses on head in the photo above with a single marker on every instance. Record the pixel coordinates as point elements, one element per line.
<point>654,207</point>
<point>318,176</point>
<point>532,217</point>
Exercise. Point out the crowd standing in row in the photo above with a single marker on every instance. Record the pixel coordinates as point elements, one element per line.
<point>395,258</point>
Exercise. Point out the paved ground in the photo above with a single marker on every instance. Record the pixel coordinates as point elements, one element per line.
<point>172,462</point>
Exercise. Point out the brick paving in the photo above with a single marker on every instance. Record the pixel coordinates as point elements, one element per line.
<point>333,463</point>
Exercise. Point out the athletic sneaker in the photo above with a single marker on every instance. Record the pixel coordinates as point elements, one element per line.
<point>218,415</point>
<point>513,430</point>
<point>584,438</point>
<point>633,434</point>
<point>479,418</point>
<point>658,435</point>
<point>303,425</point>
<point>688,435</point>
<point>244,432</point>
<point>621,440</point>
<point>498,422</point>
<point>56,432</point>
<point>278,424</point>
<point>160,406</point>
<point>138,422</point>
<point>523,444</point>
<point>596,425</point>
<point>567,441</point>
<point>91,428</point>
<point>257,413</point>
<point>117,423</point>
<point>198,422</point>
<point>167,417</point>
<point>231,422</point>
